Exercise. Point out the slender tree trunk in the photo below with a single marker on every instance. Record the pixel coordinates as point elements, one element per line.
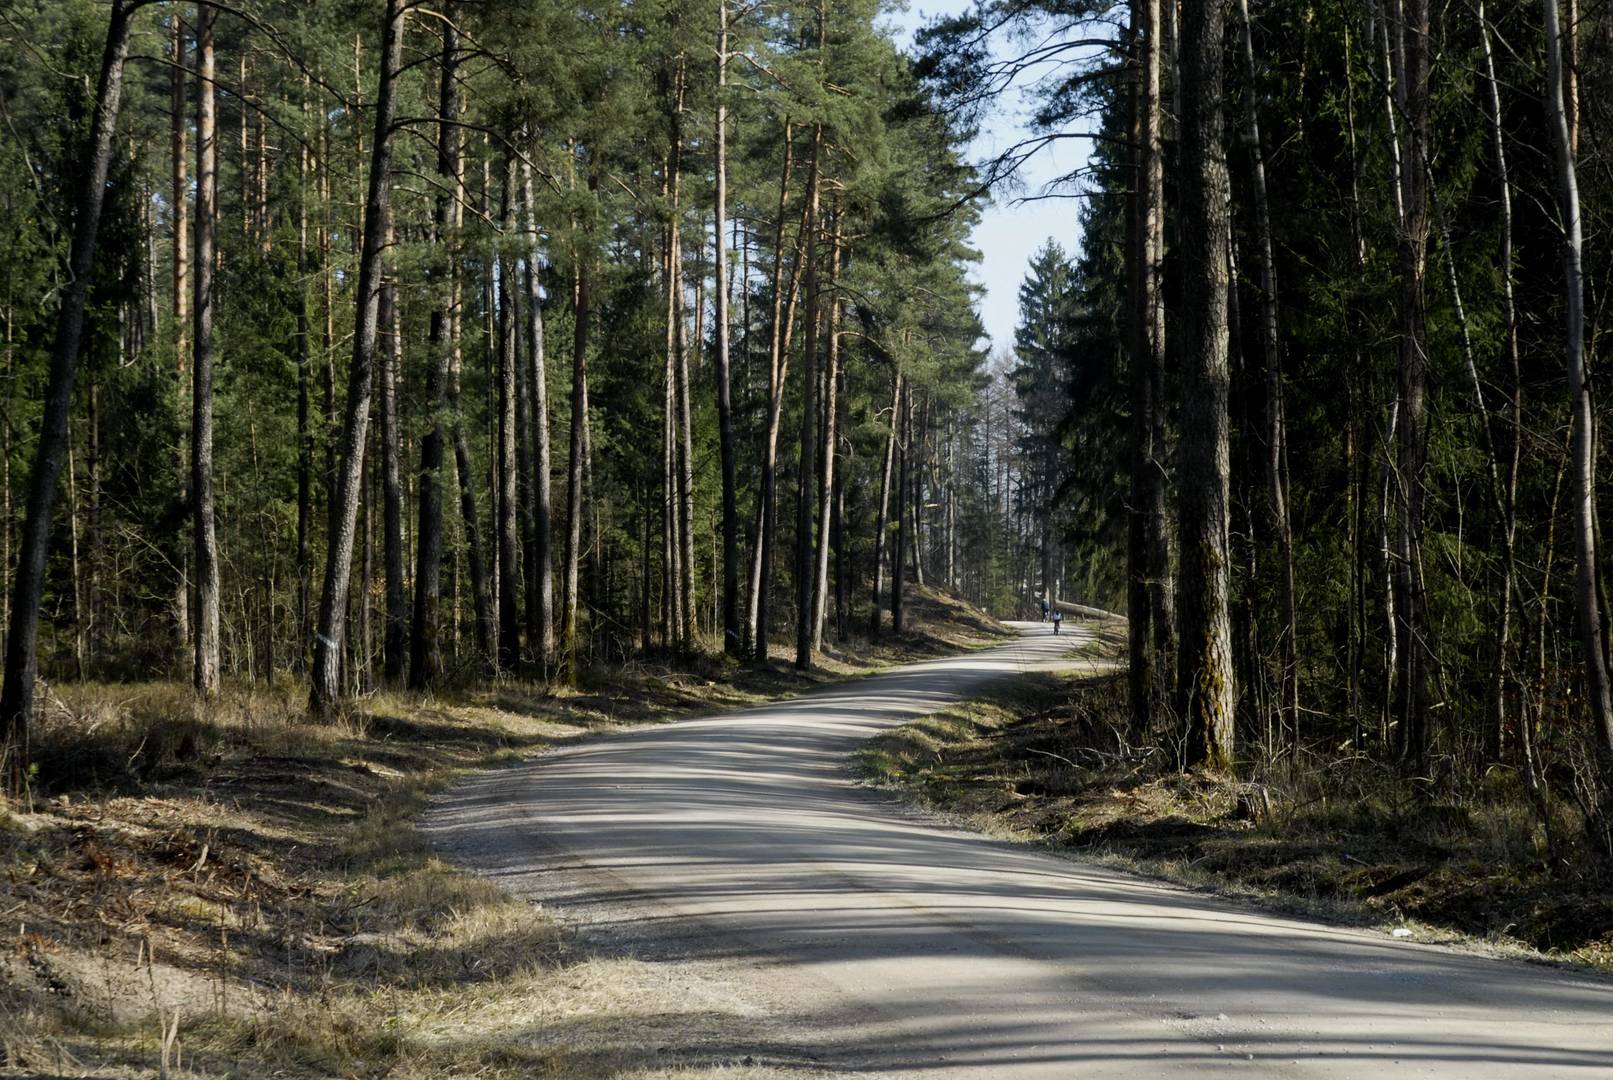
<point>17,693</point>
<point>1276,419</point>
<point>526,468</point>
<point>541,579</point>
<point>902,448</point>
<point>826,471</point>
<point>1205,687</point>
<point>205,673</point>
<point>326,685</point>
<point>179,207</point>
<point>1414,647</point>
<point>807,466</point>
<point>778,368</point>
<point>672,593</point>
<point>731,631</point>
<point>1587,584</point>
<point>425,647</point>
<point>574,463</point>
<point>305,435</point>
<point>842,465</point>
<point>395,640</point>
<point>509,571</point>
<point>882,520</point>
<point>1143,94</point>
<point>684,430</point>
<point>485,630</point>
<point>1509,489</point>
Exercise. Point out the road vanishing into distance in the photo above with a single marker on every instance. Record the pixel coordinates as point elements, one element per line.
<point>893,944</point>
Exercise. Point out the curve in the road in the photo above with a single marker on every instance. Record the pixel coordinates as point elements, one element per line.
<point>905,946</point>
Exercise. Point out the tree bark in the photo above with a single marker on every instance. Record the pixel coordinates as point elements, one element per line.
<point>205,673</point>
<point>326,685</point>
<point>807,467</point>
<point>1205,679</point>
<point>1509,489</point>
<point>1276,418</point>
<point>574,463</point>
<point>22,641</point>
<point>826,470</point>
<point>509,571</point>
<point>1587,583</point>
<point>905,407</point>
<point>540,579</point>
<point>179,208</point>
<point>1414,648</point>
<point>882,519</point>
<point>425,647</point>
<point>305,436</point>
<point>731,631</point>
<point>778,368</point>
<point>395,638</point>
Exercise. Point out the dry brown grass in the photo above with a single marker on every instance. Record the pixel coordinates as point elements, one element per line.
<point>261,877</point>
<point>1045,758</point>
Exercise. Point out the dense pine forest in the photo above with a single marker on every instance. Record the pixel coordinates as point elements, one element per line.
<point>1326,351</point>
<point>422,345</point>
<point>397,389</point>
<point>415,345</point>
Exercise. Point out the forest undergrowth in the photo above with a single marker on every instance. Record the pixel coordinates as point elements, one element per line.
<point>227,890</point>
<point>1046,758</point>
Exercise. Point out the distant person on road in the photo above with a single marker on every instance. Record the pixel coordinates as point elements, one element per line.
<point>1058,617</point>
<point>1045,606</point>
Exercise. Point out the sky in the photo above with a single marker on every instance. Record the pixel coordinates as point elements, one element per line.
<point>1008,233</point>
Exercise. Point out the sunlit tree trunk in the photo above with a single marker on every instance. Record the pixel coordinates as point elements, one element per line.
<point>509,571</point>
<point>826,470</point>
<point>540,579</point>
<point>179,208</point>
<point>1587,583</point>
<point>205,672</point>
<point>882,519</point>
<point>326,685</point>
<point>395,639</point>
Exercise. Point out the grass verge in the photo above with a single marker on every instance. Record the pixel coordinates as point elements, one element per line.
<point>226,890</point>
<point>1044,758</point>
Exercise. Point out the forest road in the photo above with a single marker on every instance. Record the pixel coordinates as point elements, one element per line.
<point>892,944</point>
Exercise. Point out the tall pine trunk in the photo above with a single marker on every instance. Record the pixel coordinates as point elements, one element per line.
<point>1276,418</point>
<point>731,632</point>
<point>903,446</point>
<point>326,681</point>
<point>509,571</point>
<point>205,673</point>
<point>1587,583</point>
<point>22,641</point>
<point>395,638</point>
<point>1206,690</point>
<point>1509,484</point>
<point>882,518</point>
<point>574,463</point>
<point>540,577</point>
<point>1413,647</point>
<point>778,368</point>
<point>807,466</point>
<point>826,456</point>
<point>179,208</point>
<point>425,645</point>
